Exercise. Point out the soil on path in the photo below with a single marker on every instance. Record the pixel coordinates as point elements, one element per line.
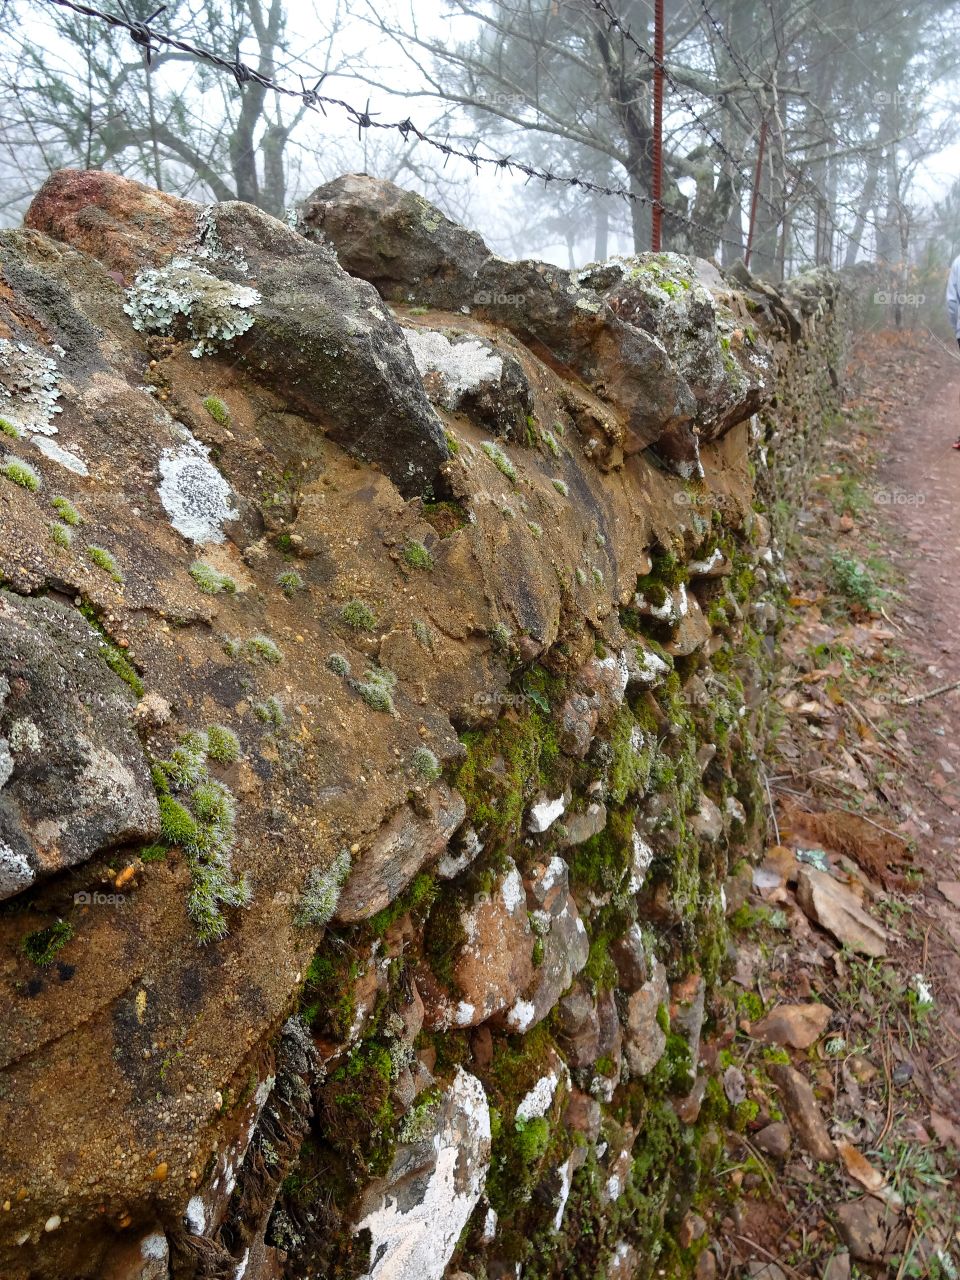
<point>869,758</point>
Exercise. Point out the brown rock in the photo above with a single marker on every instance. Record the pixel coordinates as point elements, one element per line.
<point>803,1111</point>
<point>630,956</point>
<point>688,1108</point>
<point>835,908</point>
<point>644,1040</point>
<point>564,945</point>
<point>706,1268</point>
<point>775,1140</point>
<point>838,1267</point>
<point>870,1229</point>
<point>579,1026</point>
<point>582,1115</point>
<point>404,844</point>
<point>794,1025</point>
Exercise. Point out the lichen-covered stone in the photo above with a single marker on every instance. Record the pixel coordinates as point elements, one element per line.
<point>416,1214</point>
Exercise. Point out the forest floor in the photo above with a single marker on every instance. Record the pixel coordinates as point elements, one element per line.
<point>846,1150</point>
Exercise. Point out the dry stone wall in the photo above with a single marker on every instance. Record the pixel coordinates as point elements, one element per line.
<point>385,631</point>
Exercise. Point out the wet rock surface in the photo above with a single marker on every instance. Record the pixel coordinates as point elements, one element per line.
<point>441,705</point>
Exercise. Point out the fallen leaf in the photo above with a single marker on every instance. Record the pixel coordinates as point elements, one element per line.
<point>947,1132</point>
<point>950,890</point>
<point>859,1167</point>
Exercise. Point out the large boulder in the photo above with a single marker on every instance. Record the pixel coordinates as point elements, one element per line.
<point>306,326</point>
<point>643,333</point>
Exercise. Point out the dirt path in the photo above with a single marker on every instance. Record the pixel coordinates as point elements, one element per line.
<point>870,782</point>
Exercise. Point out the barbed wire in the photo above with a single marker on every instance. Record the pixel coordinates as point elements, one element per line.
<point>149,40</point>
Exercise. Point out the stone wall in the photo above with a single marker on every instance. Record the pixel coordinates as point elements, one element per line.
<point>385,635</point>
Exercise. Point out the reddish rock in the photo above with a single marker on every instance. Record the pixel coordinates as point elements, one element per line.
<point>122,223</point>
<point>644,1040</point>
<point>494,964</point>
<point>802,1111</point>
<point>794,1025</point>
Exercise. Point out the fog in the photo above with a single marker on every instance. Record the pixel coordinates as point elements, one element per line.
<point>853,103</point>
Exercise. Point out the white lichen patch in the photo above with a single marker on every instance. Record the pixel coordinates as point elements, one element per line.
<point>50,449</point>
<point>650,667</point>
<point>459,366</point>
<point>195,1217</point>
<point>922,988</point>
<point>705,568</point>
<point>16,874</point>
<point>195,496</point>
<point>29,388</point>
<point>464,1015</point>
<point>544,813</point>
<point>511,890</point>
<point>673,608</point>
<point>155,1247</point>
<point>563,1195</point>
<point>641,858</point>
<point>414,1230</point>
<point>539,1100</point>
<point>520,1016</point>
<point>209,245</point>
<point>212,310</point>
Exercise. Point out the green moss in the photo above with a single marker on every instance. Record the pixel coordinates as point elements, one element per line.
<point>290,582</point>
<point>500,460</point>
<point>601,863</point>
<point>416,555</point>
<point>223,745</point>
<point>562,487</point>
<point>376,688</point>
<point>177,824</point>
<point>749,1006</point>
<point>321,891</point>
<point>261,648</point>
<point>425,764</point>
<point>338,664</point>
<point>422,634</point>
<point>202,825</point>
<point>600,971</point>
<point>67,512</point>
<point>444,935</point>
<point>10,429</point>
<point>120,665</point>
<point>154,853</point>
<point>358,615</point>
<point>416,899</point>
<point>550,440</point>
<point>22,474</point>
<point>506,766</point>
<point>211,581</point>
<point>61,534</point>
<point>633,757</point>
<point>270,711</point>
<point>217,410</point>
<point>103,559</point>
<point>44,945</point>
<point>453,444</point>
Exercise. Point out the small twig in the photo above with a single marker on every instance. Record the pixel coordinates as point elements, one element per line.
<point>921,697</point>
<point>773,812</point>
<point>767,1254</point>
<point>893,624</point>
